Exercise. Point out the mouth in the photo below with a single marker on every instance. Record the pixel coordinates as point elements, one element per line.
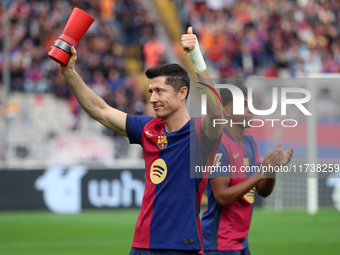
<point>157,107</point>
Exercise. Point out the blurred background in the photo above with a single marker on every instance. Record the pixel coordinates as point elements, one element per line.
<point>55,158</point>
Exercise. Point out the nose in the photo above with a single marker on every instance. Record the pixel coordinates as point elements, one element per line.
<point>153,98</point>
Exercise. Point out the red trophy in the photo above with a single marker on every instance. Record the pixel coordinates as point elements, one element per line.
<point>76,26</point>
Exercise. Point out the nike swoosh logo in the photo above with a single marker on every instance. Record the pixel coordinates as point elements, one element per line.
<point>148,132</point>
<point>235,156</point>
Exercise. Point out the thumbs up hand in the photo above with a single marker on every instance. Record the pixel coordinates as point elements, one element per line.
<point>188,40</point>
<point>189,31</point>
<point>190,45</point>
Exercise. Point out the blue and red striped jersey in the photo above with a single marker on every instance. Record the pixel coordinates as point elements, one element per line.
<point>226,228</point>
<point>169,216</point>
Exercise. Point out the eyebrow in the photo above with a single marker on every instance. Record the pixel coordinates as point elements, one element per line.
<point>156,88</point>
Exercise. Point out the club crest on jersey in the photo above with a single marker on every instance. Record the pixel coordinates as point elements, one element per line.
<point>162,142</point>
<point>246,161</point>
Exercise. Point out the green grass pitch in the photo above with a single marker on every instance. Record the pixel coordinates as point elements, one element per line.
<point>111,232</point>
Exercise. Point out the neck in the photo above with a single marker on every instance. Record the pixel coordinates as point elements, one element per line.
<point>236,132</point>
<point>176,121</point>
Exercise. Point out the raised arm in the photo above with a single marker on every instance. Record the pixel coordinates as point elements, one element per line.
<point>95,106</point>
<point>214,111</point>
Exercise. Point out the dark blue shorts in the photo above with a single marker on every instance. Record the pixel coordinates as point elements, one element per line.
<point>241,252</point>
<point>137,251</point>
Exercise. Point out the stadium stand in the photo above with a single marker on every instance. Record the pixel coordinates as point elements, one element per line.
<point>239,38</point>
<point>110,58</point>
<point>267,38</point>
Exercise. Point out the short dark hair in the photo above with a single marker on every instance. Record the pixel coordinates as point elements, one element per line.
<point>176,76</point>
<point>227,96</point>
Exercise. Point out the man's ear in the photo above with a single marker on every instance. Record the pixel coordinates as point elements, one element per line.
<point>183,92</point>
<point>228,110</point>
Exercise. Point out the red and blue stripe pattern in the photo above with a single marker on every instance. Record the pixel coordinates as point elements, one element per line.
<point>169,217</point>
<point>226,228</point>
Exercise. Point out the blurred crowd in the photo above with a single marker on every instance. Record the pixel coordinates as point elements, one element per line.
<point>111,56</point>
<point>262,37</point>
<point>240,38</point>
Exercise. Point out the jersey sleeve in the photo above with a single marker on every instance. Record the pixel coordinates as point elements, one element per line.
<point>134,127</point>
<point>208,147</point>
<point>221,163</point>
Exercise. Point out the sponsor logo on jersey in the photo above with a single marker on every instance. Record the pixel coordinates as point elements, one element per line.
<point>250,196</point>
<point>162,142</point>
<point>158,171</point>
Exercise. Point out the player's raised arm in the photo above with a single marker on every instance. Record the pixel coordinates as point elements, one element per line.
<point>214,111</point>
<point>95,106</point>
